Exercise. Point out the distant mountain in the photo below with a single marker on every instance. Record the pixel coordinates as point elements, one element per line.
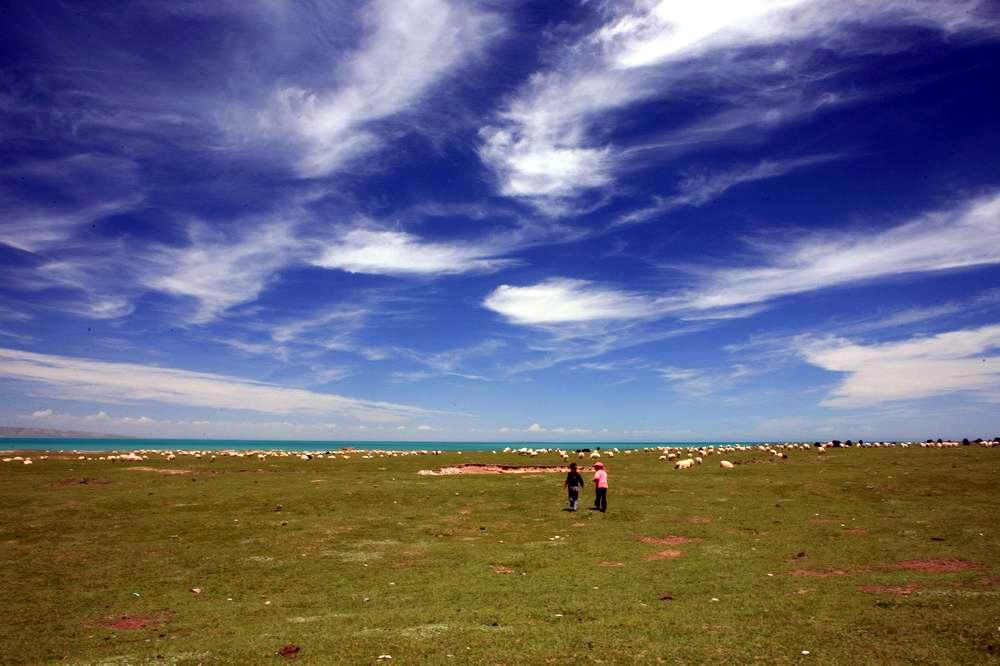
<point>16,431</point>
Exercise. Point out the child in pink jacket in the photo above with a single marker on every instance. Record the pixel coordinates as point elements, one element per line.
<point>601,487</point>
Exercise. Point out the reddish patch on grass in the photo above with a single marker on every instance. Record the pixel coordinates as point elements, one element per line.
<point>609,563</point>
<point>699,520</point>
<point>132,622</point>
<point>856,531</point>
<point>499,568</point>
<point>160,470</point>
<point>937,566</point>
<point>663,555</point>
<point>289,651</point>
<point>669,540</point>
<point>817,573</point>
<point>901,590</point>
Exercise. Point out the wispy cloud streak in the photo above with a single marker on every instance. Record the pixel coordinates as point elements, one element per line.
<point>71,378</point>
<point>956,362</point>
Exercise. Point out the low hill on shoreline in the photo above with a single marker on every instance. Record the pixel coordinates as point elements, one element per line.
<point>17,431</point>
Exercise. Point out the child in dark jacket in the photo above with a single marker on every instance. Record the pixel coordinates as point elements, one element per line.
<point>574,484</point>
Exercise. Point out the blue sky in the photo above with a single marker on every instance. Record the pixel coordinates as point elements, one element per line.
<point>742,219</point>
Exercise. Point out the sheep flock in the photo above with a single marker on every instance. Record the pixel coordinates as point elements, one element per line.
<point>682,458</point>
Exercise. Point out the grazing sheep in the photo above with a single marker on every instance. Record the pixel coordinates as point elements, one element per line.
<point>725,464</point>
<point>662,458</point>
<point>698,460</point>
<point>687,463</point>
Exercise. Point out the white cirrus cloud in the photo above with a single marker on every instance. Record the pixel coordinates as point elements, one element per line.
<point>563,300</point>
<point>406,50</point>
<point>400,253</point>
<point>70,378</point>
<point>81,189</point>
<point>219,273</point>
<point>579,319</point>
<point>963,236</point>
<point>699,188</point>
<point>955,362</point>
<point>551,138</point>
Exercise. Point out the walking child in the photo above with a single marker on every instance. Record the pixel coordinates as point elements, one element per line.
<point>574,484</point>
<point>600,487</point>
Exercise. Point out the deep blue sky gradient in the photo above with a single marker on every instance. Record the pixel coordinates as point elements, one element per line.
<point>160,206</point>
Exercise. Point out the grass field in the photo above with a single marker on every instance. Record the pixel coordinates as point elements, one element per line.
<point>859,556</point>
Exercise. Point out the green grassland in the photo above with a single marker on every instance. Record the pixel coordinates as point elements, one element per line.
<point>353,559</point>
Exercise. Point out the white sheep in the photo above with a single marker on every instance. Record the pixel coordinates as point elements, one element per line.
<point>687,463</point>
<point>725,464</point>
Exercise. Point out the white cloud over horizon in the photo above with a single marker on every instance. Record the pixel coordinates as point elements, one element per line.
<point>81,379</point>
<point>955,362</point>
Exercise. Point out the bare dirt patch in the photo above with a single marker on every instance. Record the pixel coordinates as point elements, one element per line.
<point>160,470</point>
<point>856,531</point>
<point>900,590</point>
<point>501,569</point>
<point>609,563</point>
<point>132,622</point>
<point>663,555</point>
<point>699,520</point>
<point>478,468</point>
<point>937,566</point>
<point>669,540</point>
